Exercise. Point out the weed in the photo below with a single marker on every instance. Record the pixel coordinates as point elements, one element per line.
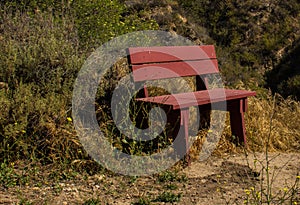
<point>171,176</point>
<point>142,201</point>
<point>265,193</point>
<point>57,188</point>
<point>133,179</point>
<point>92,201</point>
<point>24,202</point>
<point>8,176</point>
<point>168,197</point>
<point>171,186</point>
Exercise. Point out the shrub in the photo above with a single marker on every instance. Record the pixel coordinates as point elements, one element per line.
<point>101,20</point>
<point>41,57</point>
<point>41,51</point>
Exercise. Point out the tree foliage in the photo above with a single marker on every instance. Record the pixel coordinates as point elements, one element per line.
<point>254,34</point>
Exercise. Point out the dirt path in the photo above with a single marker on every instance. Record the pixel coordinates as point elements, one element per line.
<point>226,179</point>
<point>219,180</point>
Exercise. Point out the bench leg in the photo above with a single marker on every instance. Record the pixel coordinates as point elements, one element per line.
<point>204,122</point>
<point>182,147</point>
<point>238,126</point>
<point>237,122</point>
<point>184,123</point>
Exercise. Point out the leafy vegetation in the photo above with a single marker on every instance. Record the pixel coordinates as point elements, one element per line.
<point>8,176</point>
<point>43,44</point>
<point>92,202</point>
<point>168,197</point>
<point>285,77</point>
<point>254,34</point>
<point>142,201</point>
<point>171,176</point>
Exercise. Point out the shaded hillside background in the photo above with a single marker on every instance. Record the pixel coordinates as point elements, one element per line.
<point>43,45</point>
<point>262,36</point>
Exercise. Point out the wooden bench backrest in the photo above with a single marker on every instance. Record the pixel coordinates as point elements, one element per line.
<point>171,62</point>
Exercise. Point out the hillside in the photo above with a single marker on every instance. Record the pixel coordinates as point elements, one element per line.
<point>258,41</point>
<point>45,43</point>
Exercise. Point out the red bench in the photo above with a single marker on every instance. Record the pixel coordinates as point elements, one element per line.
<point>188,61</point>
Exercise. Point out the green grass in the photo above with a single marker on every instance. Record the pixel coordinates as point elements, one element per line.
<point>9,177</point>
<point>171,176</point>
<point>168,197</point>
<point>142,201</point>
<point>92,201</point>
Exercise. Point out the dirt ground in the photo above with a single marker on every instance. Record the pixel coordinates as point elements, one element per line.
<point>218,180</point>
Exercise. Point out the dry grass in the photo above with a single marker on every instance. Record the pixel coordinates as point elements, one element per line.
<point>285,135</point>
<point>42,56</point>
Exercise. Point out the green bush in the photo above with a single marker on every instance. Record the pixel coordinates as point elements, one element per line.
<point>284,78</point>
<point>39,50</point>
<point>101,20</point>
<point>42,51</point>
<point>57,7</point>
<point>41,58</point>
<point>290,87</point>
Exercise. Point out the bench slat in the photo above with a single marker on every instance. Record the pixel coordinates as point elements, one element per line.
<point>185,100</point>
<point>175,69</point>
<point>141,55</point>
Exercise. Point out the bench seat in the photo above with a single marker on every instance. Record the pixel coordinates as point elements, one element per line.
<point>203,97</point>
